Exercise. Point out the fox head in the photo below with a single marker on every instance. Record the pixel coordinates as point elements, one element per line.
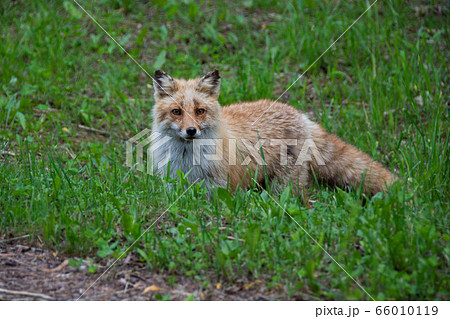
<point>187,109</point>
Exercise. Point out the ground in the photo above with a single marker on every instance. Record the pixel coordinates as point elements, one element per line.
<point>70,98</point>
<point>29,273</point>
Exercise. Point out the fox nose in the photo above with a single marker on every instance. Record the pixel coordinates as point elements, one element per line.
<point>191,131</point>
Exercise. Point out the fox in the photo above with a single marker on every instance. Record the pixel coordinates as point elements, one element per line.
<point>249,143</point>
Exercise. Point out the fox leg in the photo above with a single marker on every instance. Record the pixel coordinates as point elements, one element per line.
<point>298,176</point>
<point>303,179</point>
<point>344,165</point>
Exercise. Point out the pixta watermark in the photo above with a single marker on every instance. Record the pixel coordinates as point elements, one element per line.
<point>150,151</point>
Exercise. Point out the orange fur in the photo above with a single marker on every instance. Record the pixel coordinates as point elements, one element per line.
<point>338,163</point>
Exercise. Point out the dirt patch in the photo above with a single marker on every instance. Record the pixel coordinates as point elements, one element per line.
<point>30,273</point>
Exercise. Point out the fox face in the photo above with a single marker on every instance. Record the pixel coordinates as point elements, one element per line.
<point>187,109</point>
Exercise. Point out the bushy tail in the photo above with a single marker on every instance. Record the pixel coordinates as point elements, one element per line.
<point>344,165</point>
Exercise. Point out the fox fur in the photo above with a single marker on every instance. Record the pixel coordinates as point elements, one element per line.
<point>188,111</point>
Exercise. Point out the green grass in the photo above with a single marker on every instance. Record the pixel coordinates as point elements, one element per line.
<point>383,87</point>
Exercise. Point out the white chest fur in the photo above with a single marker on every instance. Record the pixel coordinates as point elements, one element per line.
<point>193,158</point>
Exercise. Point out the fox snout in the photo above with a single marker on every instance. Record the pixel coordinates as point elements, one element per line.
<point>190,133</point>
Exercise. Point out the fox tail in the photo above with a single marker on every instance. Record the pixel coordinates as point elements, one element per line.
<point>344,165</point>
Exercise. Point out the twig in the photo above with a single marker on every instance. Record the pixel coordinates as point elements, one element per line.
<point>16,261</point>
<point>7,153</point>
<point>11,239</point>
<point>40,112</point>
<point>91,129</point>
<point>72,156</point>
<point>233,238</point>
<point>58,268</point>
<point>138,277</point>
<point>25,293</point>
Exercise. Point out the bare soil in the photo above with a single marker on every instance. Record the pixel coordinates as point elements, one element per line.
<point>31,273</point>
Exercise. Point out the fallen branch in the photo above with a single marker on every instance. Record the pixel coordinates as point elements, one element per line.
<point>11,239</point>
<point>25,293</point>
<point>7,153</point>
<point>59,268</point>
<point>91,129</point>
<point>72,156</point>
<point>233,238</point>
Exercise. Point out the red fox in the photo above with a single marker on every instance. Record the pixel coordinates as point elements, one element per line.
<point>222,146</point>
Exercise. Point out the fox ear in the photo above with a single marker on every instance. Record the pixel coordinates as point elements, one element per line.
<point>164,84</point>
<point>210,84</point>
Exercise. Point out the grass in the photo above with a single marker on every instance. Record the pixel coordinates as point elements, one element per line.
<point>383,87</point>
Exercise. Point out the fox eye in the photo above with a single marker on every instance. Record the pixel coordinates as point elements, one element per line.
<point>176,112</point>
<point>200,111</point>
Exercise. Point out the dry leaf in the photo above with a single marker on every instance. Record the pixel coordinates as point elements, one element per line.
<point>151,288</point>
<point>250,285</point>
